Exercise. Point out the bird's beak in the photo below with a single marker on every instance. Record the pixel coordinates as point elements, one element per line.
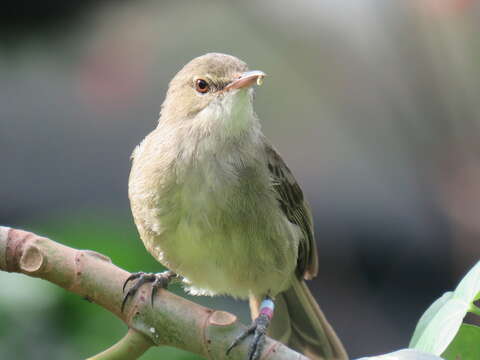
<point>247,79</point>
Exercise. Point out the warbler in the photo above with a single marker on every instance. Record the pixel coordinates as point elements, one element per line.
<point>215,203</point>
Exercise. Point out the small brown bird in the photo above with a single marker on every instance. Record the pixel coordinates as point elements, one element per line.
<point>215,203</point>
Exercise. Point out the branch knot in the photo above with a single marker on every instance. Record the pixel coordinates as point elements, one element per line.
<point>15,242</point>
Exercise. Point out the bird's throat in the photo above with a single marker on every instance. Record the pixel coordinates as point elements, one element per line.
<point>229,116</point>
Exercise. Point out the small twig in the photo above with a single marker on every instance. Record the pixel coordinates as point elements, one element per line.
<point>172,320</point>
<point>131,346</point>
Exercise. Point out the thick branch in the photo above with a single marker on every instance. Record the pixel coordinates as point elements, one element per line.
<point>172,320</point>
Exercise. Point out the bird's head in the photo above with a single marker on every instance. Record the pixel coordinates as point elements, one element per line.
<point>212,86</point>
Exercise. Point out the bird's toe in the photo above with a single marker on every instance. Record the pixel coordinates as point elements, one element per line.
<point>159,281</point>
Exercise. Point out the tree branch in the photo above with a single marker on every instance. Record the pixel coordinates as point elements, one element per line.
<point>172,320</point>
<point>131,346</point>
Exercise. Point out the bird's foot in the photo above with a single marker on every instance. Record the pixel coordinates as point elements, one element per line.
<point>159,281</point>
<point>258,328</point>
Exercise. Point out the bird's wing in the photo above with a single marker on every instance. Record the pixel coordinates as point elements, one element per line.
<point>297,211</point>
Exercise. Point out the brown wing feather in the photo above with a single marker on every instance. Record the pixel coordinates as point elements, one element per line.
<point>297,211</point>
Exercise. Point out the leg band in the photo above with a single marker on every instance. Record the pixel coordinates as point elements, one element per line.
<point>266,308</point>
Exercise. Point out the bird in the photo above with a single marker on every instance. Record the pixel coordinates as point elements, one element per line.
<point>214,202</point>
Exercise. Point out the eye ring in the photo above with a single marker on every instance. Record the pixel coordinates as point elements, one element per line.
<point>202,86</point>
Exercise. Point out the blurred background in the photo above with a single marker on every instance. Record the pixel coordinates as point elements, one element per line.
<point>374,105</point>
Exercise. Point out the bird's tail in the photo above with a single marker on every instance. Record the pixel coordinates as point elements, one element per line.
<point>299,323</point>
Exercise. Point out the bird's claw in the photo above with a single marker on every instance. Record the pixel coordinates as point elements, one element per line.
<point>258,328</point>
<point>159,281</point>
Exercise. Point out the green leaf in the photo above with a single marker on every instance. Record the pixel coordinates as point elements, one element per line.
<point>404,354</point>
<point>474,309</point>
<point>442,327</point>
<point>465,346</point>
<point>438,325</point>
<point>469,287</point>
<point>427,318</point>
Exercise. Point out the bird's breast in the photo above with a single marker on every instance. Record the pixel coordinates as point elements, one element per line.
<point>213,218</point>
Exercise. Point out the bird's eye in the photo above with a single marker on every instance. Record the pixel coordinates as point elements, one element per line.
<point>201,86</point>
